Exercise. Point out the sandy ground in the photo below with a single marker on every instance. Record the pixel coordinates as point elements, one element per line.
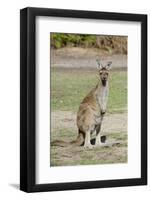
<point>81,58</point>
<point>114,126</point>
<point>111,122</point>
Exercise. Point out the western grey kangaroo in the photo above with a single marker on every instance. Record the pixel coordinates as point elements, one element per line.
<point>91,112</point>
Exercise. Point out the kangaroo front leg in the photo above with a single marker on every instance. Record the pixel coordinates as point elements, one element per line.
<point>87,143</point>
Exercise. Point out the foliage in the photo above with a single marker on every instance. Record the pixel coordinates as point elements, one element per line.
<point>59,40</point>
<point>118,44</point>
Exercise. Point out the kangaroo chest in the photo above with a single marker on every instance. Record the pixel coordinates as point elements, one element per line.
<point>102,97</point>
<point>101,102</point>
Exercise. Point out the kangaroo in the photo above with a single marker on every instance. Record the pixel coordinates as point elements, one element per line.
<point>91,112</point>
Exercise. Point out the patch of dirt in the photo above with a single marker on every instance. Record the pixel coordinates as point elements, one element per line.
<point>111,122</point>
<point>68,156</point>
<point>114,125</point>
<point>85,58</point>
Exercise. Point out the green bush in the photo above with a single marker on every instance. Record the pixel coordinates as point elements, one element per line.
<point>117,44</point>
<point>59,40</point>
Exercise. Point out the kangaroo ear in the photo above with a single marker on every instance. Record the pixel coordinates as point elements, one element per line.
<point>99,65</point>
<point>108,66</point>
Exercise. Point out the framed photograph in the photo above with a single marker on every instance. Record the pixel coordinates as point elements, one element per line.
<point>83,99</point>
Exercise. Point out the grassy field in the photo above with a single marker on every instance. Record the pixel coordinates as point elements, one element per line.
<point>68,88</point>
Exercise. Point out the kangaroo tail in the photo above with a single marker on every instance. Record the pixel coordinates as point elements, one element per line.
<point>60,143</point>
<point>78,142</point>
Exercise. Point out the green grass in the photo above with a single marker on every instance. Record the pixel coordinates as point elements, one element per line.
<point>70,86</point>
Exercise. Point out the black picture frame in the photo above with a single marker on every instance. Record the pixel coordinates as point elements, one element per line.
<point>28,99</point>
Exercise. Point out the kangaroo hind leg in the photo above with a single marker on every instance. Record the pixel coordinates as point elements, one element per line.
<point>98,140</point>
<point>87,143</point>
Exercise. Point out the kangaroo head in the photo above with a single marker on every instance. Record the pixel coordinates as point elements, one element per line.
<point>104,71</point>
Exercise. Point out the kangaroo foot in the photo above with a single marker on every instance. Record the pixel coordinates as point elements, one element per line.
<point>103,139</point>
<point>98,144</point>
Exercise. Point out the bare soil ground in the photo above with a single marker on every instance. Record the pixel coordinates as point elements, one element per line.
<point>64,128</point>
<point>111,122</point>
<point>85,57</point>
